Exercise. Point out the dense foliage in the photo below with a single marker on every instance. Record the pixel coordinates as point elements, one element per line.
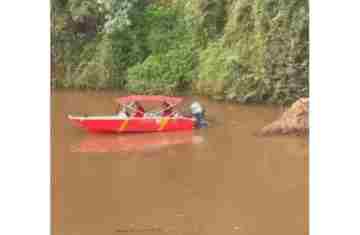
<point>243,50</point>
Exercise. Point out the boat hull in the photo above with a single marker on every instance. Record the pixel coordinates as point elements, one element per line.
<point>132,125</point>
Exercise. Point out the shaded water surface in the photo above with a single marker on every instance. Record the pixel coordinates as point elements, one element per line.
<point>220,180</point>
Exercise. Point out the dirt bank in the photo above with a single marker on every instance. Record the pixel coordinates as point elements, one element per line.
<point>295,120</point>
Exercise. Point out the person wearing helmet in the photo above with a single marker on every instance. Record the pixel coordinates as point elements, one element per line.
<point>199,113</point>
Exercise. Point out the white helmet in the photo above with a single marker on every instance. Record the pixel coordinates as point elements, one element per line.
<point>196,108</point>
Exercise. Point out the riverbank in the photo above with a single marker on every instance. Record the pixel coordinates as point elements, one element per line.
<point>244,51</point>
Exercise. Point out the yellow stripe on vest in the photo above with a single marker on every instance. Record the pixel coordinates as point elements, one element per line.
<point>163,122</point>
<point>123,125</point>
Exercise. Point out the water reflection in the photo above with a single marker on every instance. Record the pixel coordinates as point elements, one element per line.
<point>133,142</point>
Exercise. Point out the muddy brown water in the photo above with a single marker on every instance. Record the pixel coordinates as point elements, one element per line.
<point>220,180</point>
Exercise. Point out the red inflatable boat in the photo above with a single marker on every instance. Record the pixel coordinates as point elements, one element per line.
<point>138,120</point>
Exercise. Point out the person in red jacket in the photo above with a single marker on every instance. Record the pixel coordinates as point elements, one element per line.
<point>167,109</point>
<point>139,110</point>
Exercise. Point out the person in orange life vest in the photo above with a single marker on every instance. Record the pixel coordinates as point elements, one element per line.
<point>139,110</point>
<point>167,109</point>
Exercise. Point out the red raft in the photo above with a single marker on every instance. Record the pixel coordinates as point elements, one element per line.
<point>138,121</point>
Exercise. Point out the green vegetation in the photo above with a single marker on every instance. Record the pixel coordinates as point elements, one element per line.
<point>241,50</point>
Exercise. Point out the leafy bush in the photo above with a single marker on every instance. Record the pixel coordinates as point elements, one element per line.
<point>166,28</point>
<point>171,64</point>
<point>163,73</point>
<point>154,30</point>
<point>269,40</point>
<point>218,68</point>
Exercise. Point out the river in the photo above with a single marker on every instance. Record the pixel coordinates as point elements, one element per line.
<point>219,180</point>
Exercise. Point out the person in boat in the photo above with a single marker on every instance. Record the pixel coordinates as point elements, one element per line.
<point>122,111</point>
<point>167,109</point>
<point>199,113</point>
<point>138,110</point>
